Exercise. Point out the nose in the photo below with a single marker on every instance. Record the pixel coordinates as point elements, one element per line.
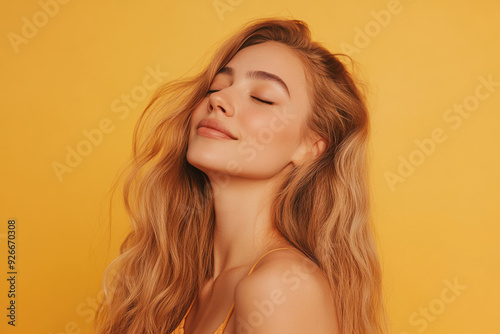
<point>220,101</point>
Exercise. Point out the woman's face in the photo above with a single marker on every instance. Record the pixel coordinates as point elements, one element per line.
<point>260,97</point>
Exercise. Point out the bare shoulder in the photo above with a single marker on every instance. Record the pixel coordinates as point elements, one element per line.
<point>286,293</point>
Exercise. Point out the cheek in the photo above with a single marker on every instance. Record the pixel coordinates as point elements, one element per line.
<point>196,117</point>
<point>273,134</point>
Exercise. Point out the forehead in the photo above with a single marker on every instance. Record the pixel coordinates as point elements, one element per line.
<point>275,58</point>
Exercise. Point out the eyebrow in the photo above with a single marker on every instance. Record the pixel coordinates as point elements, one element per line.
<point>258,75</point>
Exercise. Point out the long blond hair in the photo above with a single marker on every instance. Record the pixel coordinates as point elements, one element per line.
<point>322,207</point>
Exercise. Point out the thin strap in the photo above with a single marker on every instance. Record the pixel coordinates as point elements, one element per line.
<point>184,319</point>
<point>251,270</point>
<point>272,250</point>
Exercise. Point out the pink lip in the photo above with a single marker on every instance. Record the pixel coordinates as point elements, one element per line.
<point>213,128</point>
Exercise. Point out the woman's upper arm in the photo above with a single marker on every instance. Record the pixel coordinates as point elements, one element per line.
<point>284,297</point>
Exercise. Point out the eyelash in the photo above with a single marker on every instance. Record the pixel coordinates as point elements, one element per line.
<point>262,101</point>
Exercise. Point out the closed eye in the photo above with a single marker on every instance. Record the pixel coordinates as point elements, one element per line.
<point>256,98</point>
<point>263,101</point>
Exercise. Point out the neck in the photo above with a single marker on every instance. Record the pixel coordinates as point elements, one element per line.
<point>243,228</point>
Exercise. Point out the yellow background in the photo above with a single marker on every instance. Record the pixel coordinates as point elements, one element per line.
<point>439,224</point>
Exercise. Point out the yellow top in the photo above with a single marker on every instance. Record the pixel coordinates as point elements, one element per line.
<point>220,330</point>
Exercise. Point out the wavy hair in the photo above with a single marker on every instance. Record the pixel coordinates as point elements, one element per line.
<point>322,207</point>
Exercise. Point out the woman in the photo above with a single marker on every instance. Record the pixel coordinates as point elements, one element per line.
<point>249,199</point>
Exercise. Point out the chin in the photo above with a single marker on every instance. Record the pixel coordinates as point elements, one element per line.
<point>204,161</point>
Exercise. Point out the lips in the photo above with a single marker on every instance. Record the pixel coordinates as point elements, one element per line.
<point>216,125</point>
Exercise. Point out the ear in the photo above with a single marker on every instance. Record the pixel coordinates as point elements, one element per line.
<point>319,146</point>
<point>309,149</point>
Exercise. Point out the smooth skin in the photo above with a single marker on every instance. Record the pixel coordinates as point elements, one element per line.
<point>287,292</point>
